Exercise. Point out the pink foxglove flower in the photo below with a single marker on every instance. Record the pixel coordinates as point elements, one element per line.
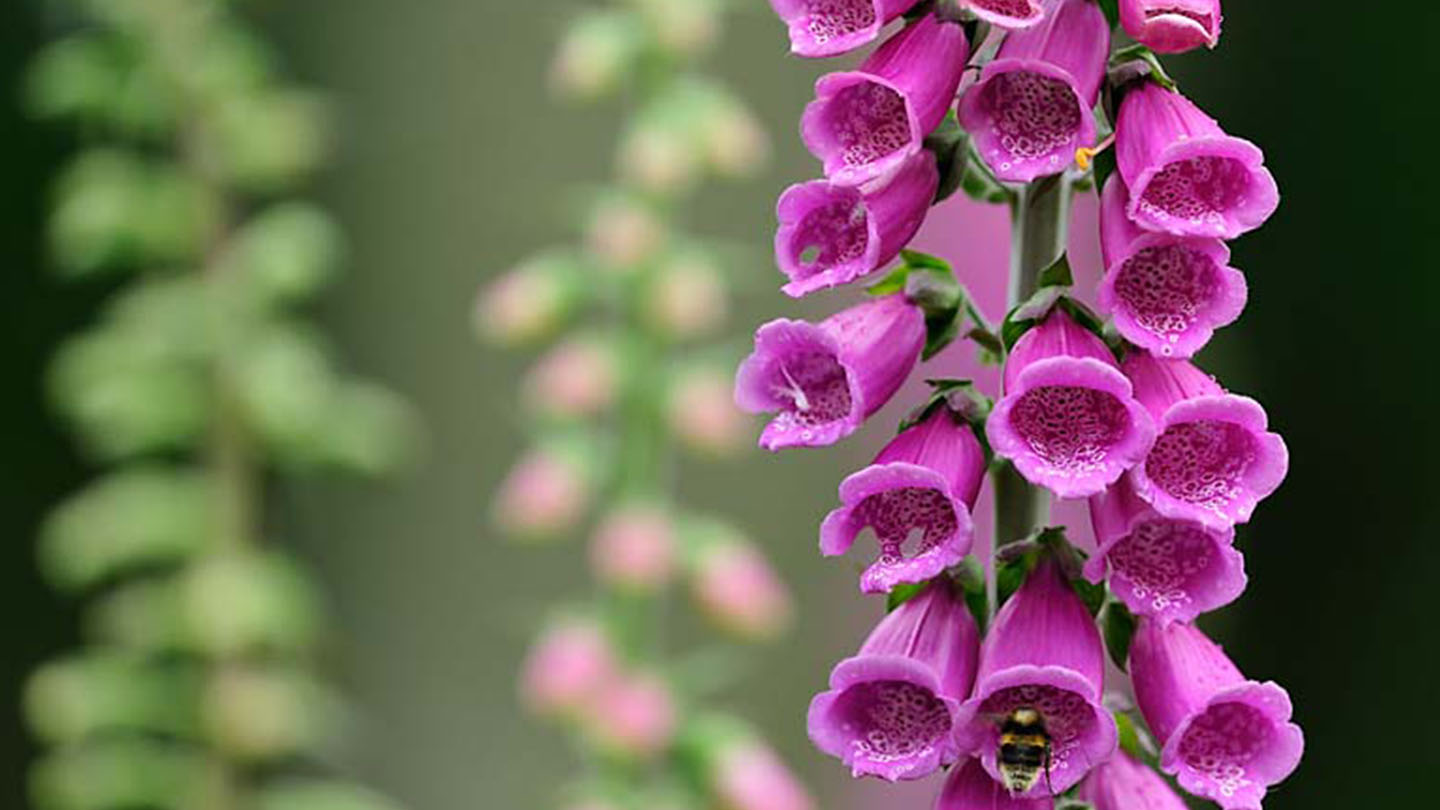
<point>832,234</point>
<point>926,480</point>
<point>1213,460</point>
<point>748,775</point>
<point>1121,783</point>
<point>1167,293</point>
<point>891,708</point>
<point>969,787</point>
<point>567,667</point>
<point>1009,14</point>
<point>1170,569</point>
<point>1224,737</point>
<point>1032,107</point>
<point>864,124</point>
<point>735,587</point>
<point>1043,653</point>
<point>825,379</point>
<point>831,27</point>
<point>1172,26</point>
<point>1186,176</point>
<point>1068,421</point>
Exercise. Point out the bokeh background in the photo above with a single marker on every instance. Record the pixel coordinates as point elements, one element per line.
<point>454,163</point>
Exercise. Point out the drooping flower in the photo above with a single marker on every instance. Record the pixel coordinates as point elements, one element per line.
<point>865,123</point>
<point>969,787</point>
<point>1031,108</point>
<point>832,234</point>
<point>735,587</point>
<point>1168,568</point>
<point>634,548</point>
<point>1043,653</point>
<point>1185,175</point>
<point>831,27</point>
<point>1121,783</point>
<point>1167,293</point>
<point>825,379</point>
<point>1068,421</point>
<point>1009,14</point>
<point>925,481</point>
<point>567,667</point>
<point>1214,460</point>
<point>890,710</point>
<point>1224,737</point>
<point>1172,26</point>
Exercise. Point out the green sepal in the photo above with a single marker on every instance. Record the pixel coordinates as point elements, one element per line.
<point>1072,803</point>
<point>1092,594</point>
<point>929,283</point>
<point>1118,624</point>
<point>1051,286</point>
<point>1103,165</point>
<point>951,146</point>
<point>900,594</point>
<point>1129,736</point>
<point>965,403</point>
<point>970,576</point>
<point>1137,61</point>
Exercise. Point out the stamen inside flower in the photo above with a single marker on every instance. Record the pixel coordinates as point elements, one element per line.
<point>831,235</point>
<point>908,514</point>
<point>1069,427</point>
<point>1034,117</point>
<point>867,122</point>
<point>1067,717</point>
<point>1202,462</point>
<point>827,20</point>
<point>889,721</point>
<point>1159,562</point>
<point>1200,190</point>
<point>1222,743</point>
<point>1167,289</point>
<point>814,386</point>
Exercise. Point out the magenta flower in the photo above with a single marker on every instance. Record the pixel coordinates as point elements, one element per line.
<point>1167,293</point>
<point>891,709</point>
<point>1068,421</point>
<point>1214,460</point>
<point>1031,108</point>
<point>1043,653</point>
<point>1121,783</point>
<point>1170,569</point>
<point>825,379</point>
<point>1225,738</point>
<point>1172,26</point>
<point>969,787</point>
<point>831,234</point>
<point>831,27</point>
<point>865,123</point>
<point>925,481</point>
<point>1186,176</point>
<point>1009,14</point>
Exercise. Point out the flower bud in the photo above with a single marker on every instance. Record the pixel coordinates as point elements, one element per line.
<point>529,303</point>
<point>735,587</point>
<point>578,377</point>
<point>686,28</point>
<point>634,548</point>
<point>659,156</point>
<point>686,296</point>
<point>545,494</point>
<point>702,412</point>
<point>568,665</point>
<point>597,50</point>
<point>624,233</point>
<point>749,775</point>
<point>634,715</point>
<point>1172,26</point>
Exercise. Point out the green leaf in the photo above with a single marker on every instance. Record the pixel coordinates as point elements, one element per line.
<point>962,398</point>
<point>892,283</point>
<point>244,603</point>
<point>900,594</point>
<point>916,259</point>
<point>113,772</point>
<point>1130,741</point>
<point>1103,165</point>
<point>1119,628</point>
<point>109,692</point>
<point>1057,274</point>
<point>970,576</point>
<point>286,253</point>
<point>951,147</point>
<point>1092,594</point>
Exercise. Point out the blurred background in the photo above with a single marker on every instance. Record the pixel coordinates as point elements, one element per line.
<point>454,163</point>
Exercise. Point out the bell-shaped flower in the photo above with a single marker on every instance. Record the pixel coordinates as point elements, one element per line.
<point>1121,783</point>
<point>1031,108</point>
<point>969,787</point>
<point>1007,14</point>
<point>890,711</point>
<point>1186,176</point>
<point>823,380</point>
<point>1172,26</point>
<point>1068,421</point>
<point>1225,738</point>
<point>865,123</point>
<point>1043,653</point>
<point>832,234</point>
<point>924,483</point>
<point>1168,568</point>
<point>831,27</point>
<point>1166,293</point>
<point>1213,459</point>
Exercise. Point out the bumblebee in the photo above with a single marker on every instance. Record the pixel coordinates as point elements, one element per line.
<point>1024,751</point>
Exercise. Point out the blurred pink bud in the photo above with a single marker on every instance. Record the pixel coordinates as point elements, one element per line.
<point>734,585</point>
<point>634,715</point>
<point>528,303</point>
<point>659,158</point>
<point>567,667</point>
<point>594,55</point>
<point>685,28</point>
<point>546,493</point>
<point>624,234</point>
<point>703,413</point>
<point>579,377</point>
<point>735,143</point>
<point>749,776</point>
<point>634,548</point>
<point>687,298</point>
